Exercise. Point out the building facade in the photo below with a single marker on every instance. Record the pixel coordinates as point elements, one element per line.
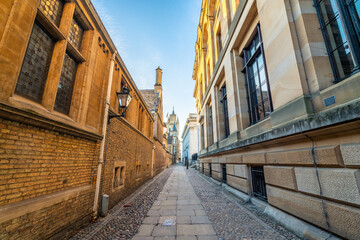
<point>172,129</point>
<point>190,138</point>
<point>59,75</point>
<point>277,95</point>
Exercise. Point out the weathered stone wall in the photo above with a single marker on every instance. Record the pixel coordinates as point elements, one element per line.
<point>46,180</point>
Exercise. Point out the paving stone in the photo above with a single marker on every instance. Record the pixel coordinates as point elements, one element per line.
<point>200,212</point>
<point>161,231</point>
<point>213,237</point>
<point>190,206</point>
<point>168,207</point>
<point>195,229</point>
<point>153,213</point>
<point>200,220</point>
<point>151,220</point>
<point>183,219</point>
<point>165,238</point>
<point>168,202</point>
<point>185,212</point>
<point>186,238</point>
<point>142,238</point>
<point>167,212</point>
<point>145,230</point>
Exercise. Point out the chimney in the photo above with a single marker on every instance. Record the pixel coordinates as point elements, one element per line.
<point>158,76</point>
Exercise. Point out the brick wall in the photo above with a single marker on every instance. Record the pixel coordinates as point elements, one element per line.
<point>160,158</point>
<point>35,162</point>
<point>126,147</point>
<point>35,165</point>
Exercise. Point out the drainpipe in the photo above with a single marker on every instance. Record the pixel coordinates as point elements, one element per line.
<point>103,141</point>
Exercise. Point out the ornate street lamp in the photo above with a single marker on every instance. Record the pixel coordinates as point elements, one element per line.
<point>124,98</point>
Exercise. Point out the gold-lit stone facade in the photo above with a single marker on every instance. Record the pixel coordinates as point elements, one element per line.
<point>59,75</point>
<point>277,106</point>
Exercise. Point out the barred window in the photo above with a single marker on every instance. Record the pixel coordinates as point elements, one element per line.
<point>66,84</point>
<point>36,64</point>
<point>257,84</point>
<point>76,33</point>
<point>340,24</point>
<point>53,9</point>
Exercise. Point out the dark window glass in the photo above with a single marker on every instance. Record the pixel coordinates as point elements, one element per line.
<point>225,109</point>
<point>36,64</point>
<point>211,138</point>
<point>340,25</point>
<point>76,33</point>
<point>52,9</point>
<point>259,99</point>
<point>66,85</point>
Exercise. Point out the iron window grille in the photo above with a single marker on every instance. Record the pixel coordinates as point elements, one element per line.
<point>224,178</point>
<point>225,109</point>
<point>256,80</point>
<point>258,182</point>
<point>35,67</point>
<point>340,25</point>
<point>210,170</point>
<point>66,85</point>
<point>52,9</point>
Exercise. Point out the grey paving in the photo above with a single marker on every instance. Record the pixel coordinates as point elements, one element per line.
<point>178,212</point>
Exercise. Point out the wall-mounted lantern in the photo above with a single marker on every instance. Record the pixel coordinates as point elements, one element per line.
<point>124,98</point>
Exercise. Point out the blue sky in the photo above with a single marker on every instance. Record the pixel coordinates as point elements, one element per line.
<point>151,33</point>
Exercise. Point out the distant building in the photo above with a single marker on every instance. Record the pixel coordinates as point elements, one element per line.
<point>154,101</point>
<point>190,138</point>
<point>172,126</point>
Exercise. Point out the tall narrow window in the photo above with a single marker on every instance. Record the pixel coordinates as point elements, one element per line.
<point>52,9</point>
<point>66,85</point>
<point>218,42</point>
<point>36,64</point>
<point>225,110</point>
<point>339,22</point>
<point>257,84</point>
<point>208,73</point>
<point>76,34</point>
<point>210,127</point>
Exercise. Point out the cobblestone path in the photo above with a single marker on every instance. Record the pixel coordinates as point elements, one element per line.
<point>123,223</point>
<point>231,217</point>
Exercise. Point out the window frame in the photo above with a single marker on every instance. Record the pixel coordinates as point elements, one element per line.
<point>259,51</point>
<point>225,106</point>
<point>353,38</point>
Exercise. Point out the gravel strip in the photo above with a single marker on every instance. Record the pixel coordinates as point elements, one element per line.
<point>231,217</point>
<point>121,222</point>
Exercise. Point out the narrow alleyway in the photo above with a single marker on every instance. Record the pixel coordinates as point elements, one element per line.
<point>183,204</point>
